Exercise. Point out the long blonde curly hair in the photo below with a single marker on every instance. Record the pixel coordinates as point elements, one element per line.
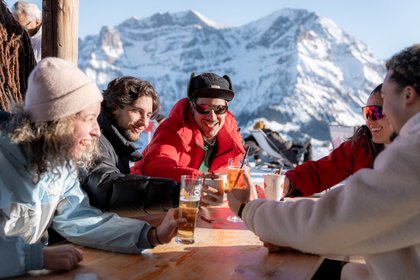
<point>48,145</point>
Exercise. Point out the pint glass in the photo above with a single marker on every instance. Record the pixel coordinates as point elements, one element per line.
<point>189,200</point>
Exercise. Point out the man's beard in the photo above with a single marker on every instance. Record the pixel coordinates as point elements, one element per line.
<point>125,132</point>
<point>130,136</point>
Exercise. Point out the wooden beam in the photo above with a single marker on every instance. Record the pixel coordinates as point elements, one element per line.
<point>60,20</point>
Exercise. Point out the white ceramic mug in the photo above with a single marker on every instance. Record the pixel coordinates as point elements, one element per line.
<point>273,186</point>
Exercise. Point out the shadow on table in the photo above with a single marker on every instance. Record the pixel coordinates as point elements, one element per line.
<point>232,262</point>
<point>213,218</point>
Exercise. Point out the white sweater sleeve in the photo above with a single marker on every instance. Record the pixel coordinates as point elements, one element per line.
<point>376,211</point>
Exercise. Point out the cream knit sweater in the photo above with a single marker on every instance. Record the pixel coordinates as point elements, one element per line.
<point>376,215</point>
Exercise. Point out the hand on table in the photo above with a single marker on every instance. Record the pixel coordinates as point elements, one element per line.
<point>62,257</point>
<point>169,226</point>
<point>238,196</point>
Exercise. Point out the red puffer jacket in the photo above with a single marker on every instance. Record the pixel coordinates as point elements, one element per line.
<point>316,176</point>
<point>177,146</point>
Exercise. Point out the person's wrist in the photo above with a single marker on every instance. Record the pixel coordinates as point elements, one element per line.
<point>153,237</point>
<point>290,190</point>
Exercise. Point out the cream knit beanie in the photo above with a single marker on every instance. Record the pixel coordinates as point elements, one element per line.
<point>57,89</point>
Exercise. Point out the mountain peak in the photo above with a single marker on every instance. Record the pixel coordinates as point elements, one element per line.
<point>203,19</point>
<point>292,67</point>
<point>184,18</point>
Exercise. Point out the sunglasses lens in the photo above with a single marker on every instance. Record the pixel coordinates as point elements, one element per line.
<point>220,109</point>
<point>372,112</point>
<point>206,109</point>
<point>202,109</point>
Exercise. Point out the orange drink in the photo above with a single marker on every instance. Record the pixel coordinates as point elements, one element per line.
<point>236,176</point>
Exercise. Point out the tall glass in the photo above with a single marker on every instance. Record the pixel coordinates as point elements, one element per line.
<point>189,200</point>
<point>236,179</point>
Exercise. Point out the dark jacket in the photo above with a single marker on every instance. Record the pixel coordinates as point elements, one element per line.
<point>109,183</point>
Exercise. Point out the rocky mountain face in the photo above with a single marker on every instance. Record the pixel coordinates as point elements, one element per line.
<point>293,68</point>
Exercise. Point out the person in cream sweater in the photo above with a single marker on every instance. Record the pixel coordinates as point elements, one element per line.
<point>376,215</point>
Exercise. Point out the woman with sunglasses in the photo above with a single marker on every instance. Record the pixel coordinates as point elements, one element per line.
<point>199,135</point>
<point>356,153</point>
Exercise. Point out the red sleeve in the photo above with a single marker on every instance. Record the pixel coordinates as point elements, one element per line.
<point>316,176</point>
<point>161,158</point>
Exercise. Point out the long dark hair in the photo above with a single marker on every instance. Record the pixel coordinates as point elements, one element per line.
<point>363,131</point>
<point>373,148</point>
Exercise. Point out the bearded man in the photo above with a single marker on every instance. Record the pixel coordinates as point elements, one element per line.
<point>129,103</point>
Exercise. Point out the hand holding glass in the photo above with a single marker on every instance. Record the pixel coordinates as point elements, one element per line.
<point>214,189</point>
<point>236,178</point>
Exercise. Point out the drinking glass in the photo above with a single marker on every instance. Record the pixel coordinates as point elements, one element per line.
<point>236,180</point>
<point>189,200</point>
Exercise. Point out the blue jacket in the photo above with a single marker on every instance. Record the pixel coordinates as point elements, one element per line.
<point>28,209</point>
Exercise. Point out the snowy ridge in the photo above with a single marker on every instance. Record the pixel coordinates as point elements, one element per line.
<point>297,70</point>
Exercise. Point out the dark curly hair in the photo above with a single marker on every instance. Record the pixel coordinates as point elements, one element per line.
<point>406,67</point>
<point>124,91</point>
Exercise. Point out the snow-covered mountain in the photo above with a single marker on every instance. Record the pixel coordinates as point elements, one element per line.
<point>294,68</point>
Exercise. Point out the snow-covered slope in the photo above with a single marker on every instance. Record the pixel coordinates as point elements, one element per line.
<point>294,68</point>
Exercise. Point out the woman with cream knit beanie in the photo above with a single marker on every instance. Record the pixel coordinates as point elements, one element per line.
<point>40,147</point>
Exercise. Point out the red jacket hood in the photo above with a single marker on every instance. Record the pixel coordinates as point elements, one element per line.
<point>181,119</point>
<point>177,146</point>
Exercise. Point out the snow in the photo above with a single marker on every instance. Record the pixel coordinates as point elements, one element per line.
<point>297,70</point>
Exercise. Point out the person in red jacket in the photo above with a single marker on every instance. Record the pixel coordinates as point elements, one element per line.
<point>356,153</point>
<point>199,135</point>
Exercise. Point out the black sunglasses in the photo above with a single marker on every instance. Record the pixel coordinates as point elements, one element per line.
<point>373,112</point>
<point>205,109</point>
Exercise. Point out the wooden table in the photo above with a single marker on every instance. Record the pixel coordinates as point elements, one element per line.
<point>223,250</point>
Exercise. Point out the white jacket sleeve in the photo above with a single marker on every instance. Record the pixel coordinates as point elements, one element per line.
<point>376,211</point>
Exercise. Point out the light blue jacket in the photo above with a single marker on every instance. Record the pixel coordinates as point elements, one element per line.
<point>28,209</point>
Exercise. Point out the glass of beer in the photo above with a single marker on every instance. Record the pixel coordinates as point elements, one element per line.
<point>189,200</point>
<point>236,179</point>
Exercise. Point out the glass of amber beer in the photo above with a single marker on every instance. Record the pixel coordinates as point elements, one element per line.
<point>236,179</point>
<point>189,200</point>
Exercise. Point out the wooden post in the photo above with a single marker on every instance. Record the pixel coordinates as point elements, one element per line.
<point>60,19</point>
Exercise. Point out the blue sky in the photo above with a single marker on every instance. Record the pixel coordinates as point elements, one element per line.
<point>386,26</point>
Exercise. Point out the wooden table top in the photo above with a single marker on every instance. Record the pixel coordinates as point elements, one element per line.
<point>222,250</point>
